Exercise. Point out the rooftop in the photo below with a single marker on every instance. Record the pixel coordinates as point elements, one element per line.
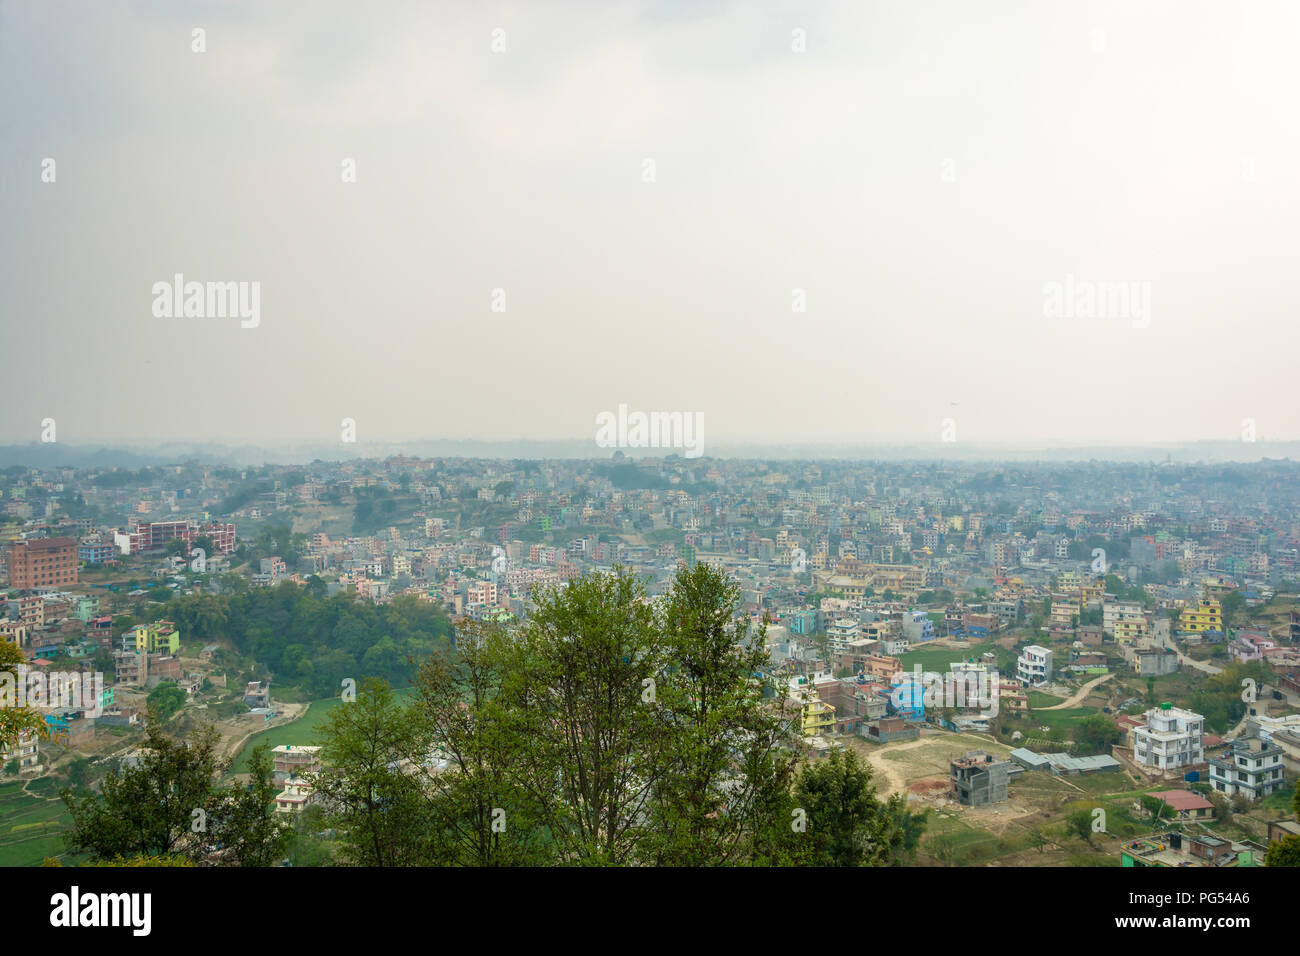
<point>1183,800</point>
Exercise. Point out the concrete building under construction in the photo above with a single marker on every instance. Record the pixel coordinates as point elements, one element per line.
<point>979,778</point>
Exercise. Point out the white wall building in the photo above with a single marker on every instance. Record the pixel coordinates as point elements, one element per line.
<point>1251,767</point>
<point>1172,738</point>
<point>1034,665</point>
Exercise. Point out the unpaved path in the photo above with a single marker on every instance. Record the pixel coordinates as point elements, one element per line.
<point>1078,697</point>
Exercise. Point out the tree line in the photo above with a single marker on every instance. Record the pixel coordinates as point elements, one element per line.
<point>609,729</point>
<point>305,638</point>
<point>606,730</point>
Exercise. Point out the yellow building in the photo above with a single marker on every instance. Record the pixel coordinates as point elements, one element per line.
<point>1064,611</point>
<point>1205,616</point>
<point>160,637</point>
<point>1069,582</point>
<point>1130,629</point>
<point>1091,594</point>
<point>816,717</point>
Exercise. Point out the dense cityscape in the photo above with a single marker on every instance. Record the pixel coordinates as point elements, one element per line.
<point>450,443</point>
<point>1003,629</point>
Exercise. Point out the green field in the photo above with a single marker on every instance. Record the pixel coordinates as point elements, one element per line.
<point>1060,719</point>
<point>937,659</point>
<point>301,731</point>
<point>31,824</point>
<point>1038,699</point>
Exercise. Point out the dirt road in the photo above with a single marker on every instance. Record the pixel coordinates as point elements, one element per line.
<point>1078,697</point>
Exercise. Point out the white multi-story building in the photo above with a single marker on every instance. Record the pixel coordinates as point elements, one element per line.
<point>1251,767</point>
<point>841,632</point>
<point>289,760</point>
<point>1034,665</point>
<point>1172,738</point>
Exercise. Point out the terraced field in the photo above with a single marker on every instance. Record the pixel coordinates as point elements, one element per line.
<point>32,820</point>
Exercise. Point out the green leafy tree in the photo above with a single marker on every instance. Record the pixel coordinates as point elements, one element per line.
<point>308,846</point>
<point>1096,734</point>
<point>366,783</point>
<point>1079,823</point>
<point>15,721</point>
<point>597,751</point>
<point>158,806</point>
<point>1038,839</point>
<point>727,759</point>
<point>245,822</point>
<point>847,825</point>
<point>1286,852</point>
<point>1232,604</point>
<point>165,700</point>
<point>481,816</point>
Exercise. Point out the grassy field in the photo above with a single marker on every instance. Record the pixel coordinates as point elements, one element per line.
<point>937,658</point>
<point>1038,699</point>
<point>302,731</point>
<point>31,823</point>
<point>951,840</point>
<point>1060,718</point>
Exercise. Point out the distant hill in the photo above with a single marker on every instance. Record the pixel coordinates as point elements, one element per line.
<point>66,455</point>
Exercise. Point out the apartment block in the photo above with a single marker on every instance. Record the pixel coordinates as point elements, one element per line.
<point>25,753</point>
<point>160,637</point>
<point>43,563</point>
<point>1251,767</point>
<point>293,759</point>
<point>1034,665</point>
<point>1172,738</point>
<point>1205,616</point>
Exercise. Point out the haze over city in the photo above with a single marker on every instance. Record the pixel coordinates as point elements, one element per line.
<point>655,435</point>
<point>919,172</point>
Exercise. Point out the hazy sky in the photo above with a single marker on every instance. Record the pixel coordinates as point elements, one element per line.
<point>922,170</point>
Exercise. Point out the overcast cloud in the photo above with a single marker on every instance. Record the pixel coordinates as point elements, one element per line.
<point>922,171</point>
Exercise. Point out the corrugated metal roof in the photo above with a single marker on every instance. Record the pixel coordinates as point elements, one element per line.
<point>1063,761</point>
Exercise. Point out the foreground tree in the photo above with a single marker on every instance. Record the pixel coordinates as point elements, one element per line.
<point>579,699</point>
<point>728,764</point>
<point>1286,852</point>
<point>368,785</point>
<point>245,823</point>
<point>15,721</point>
<point>847,825</point>
<point>480,816</point>
<point>606,731</point>
<point>158,806</point>
<point>168,803</point>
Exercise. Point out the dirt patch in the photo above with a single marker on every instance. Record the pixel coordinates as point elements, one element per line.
<point>929,787</point>
<point>235,731</point>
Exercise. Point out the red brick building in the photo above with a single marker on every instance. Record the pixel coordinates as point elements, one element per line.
<point>43,562</point>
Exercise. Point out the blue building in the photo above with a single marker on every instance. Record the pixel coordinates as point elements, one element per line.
<point>907,699</point>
